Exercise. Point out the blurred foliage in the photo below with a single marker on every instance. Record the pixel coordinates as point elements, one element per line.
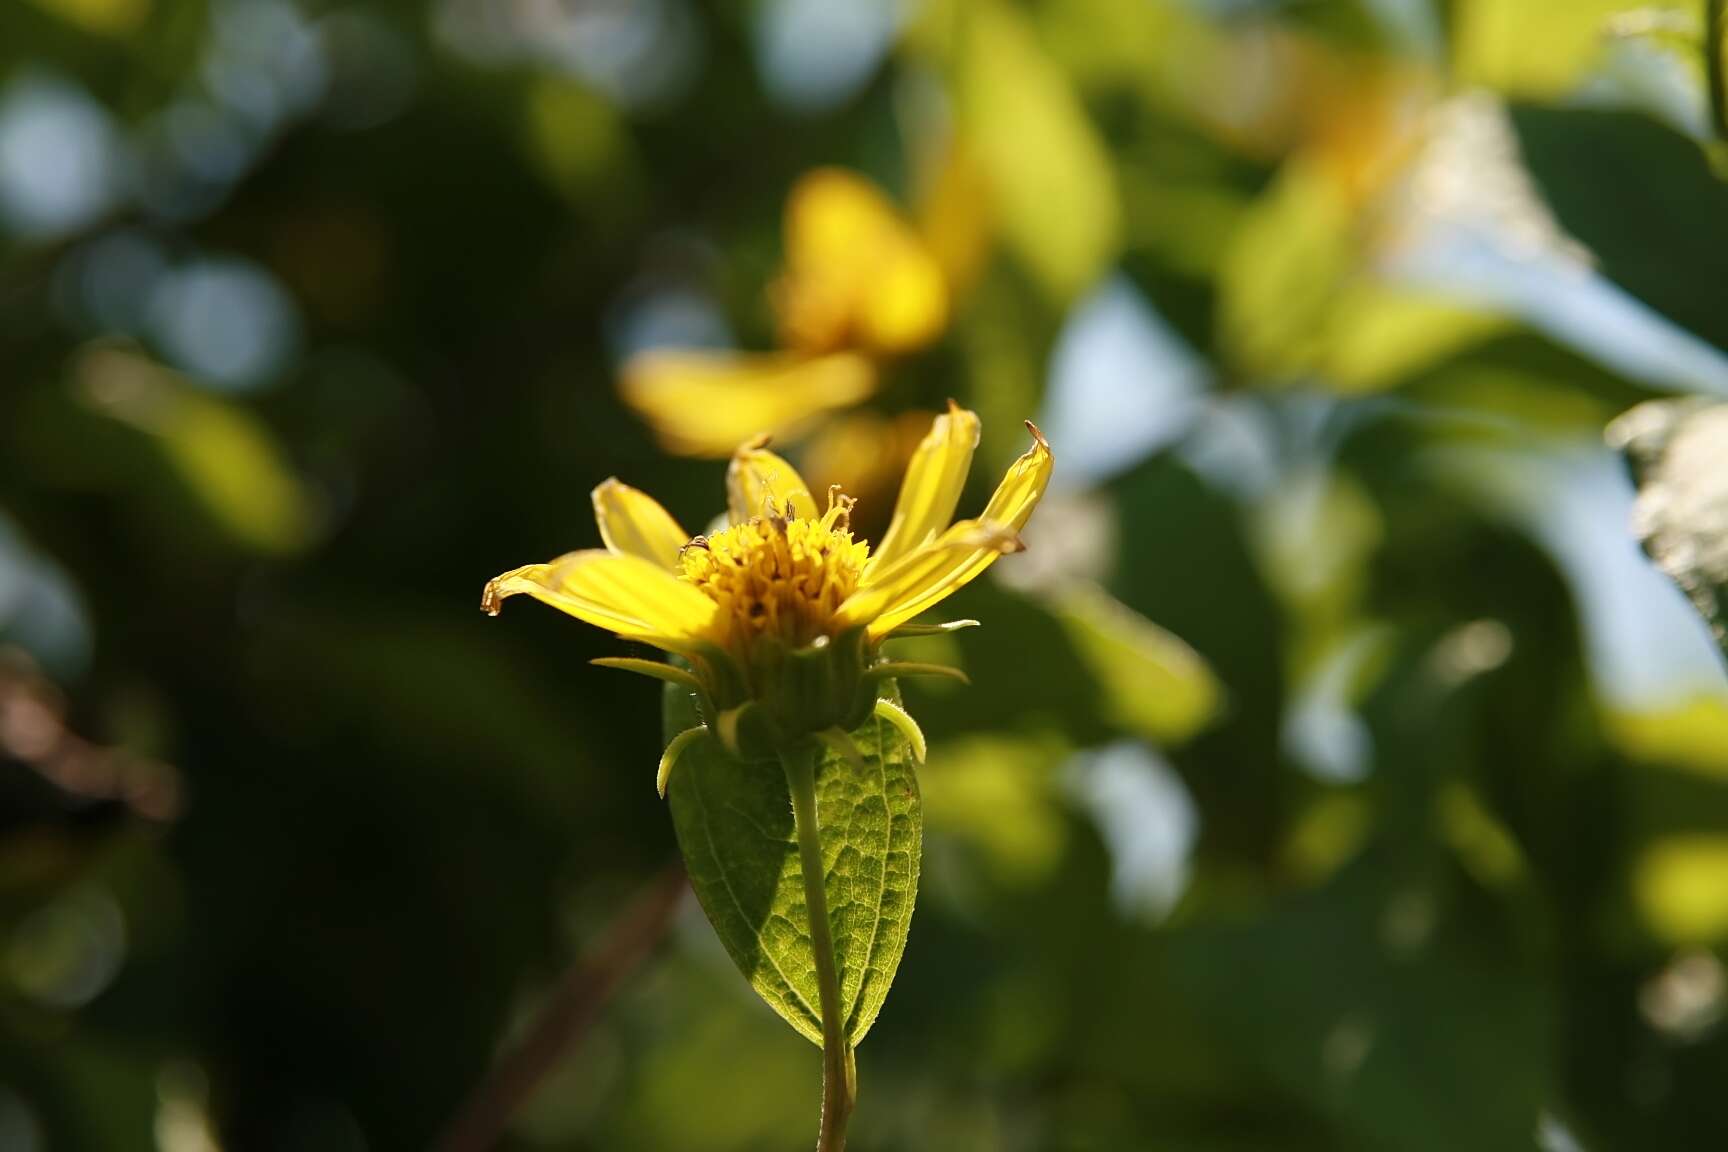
<point>1674,448</point>
<point>1335,773</point>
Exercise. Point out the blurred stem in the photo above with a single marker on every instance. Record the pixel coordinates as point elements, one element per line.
<point>1714,79</point>
<point>839,1074</point>
<point>573,1007</point>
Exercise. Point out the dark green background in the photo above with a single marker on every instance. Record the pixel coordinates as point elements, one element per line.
<point>396,822</point>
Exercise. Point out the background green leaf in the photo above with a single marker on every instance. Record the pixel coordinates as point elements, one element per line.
<point>1600,169</point>
<point>1049,174</point>
<point>734,825</point>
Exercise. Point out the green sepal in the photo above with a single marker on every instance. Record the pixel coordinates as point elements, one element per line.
<point>659,670</point>
<point>674,752</point>
<point>906,631</point>
<point>897,668</point>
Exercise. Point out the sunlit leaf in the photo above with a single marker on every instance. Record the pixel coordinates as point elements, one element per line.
<point>1051,179</point>
<point>1690,735</point>
<point>1383,335</point>
<point>1681,883</point>
<point>1677,449</point>
<point>734,825</point>
<point>225,457</point>
<point>1540,47</point>
<point>1289,261</point>
<point>1299,298</point>
<point>580,143</point>
<point>1482,843</point>
<point>107,17</point>
<point>1152,683</point>
<point>1325,834</point>
<point>997,796</point>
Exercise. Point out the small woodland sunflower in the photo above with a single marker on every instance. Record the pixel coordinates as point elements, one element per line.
<point>777,620</point>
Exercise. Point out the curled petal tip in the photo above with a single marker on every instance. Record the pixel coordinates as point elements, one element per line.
<point>755,444</point>
<point>1037,435</point>
<point>491,599</point>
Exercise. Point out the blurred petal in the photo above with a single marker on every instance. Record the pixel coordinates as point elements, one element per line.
<point>624,594</point>
<point>934,480</point>
<point>856,274</point>
<point>633,523</point>
<point>707,403</point>
<point>866,454</point>
<point>757,476</point>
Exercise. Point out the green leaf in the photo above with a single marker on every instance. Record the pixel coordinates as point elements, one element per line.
<point>1053,185</point>
<point>1676,448</point>
<point>734,826</point>
<point>1643,198</point>
<point>1493,41</point>
<point>225,457</point>
<point>1298,297</point>
<point>1149,681</point>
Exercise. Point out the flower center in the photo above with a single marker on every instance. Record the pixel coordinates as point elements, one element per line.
<point>777,577</point>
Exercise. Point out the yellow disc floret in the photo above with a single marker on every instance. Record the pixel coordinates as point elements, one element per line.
<point>776,577</point>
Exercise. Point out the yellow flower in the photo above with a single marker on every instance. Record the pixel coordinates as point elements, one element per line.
<point>702,402</point>
<point>780,616</point>
<point>857,275</point>
<point>860,284</point>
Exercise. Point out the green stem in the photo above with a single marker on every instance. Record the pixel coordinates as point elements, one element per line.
<point>839,1075</point>
<point>1714,81</point>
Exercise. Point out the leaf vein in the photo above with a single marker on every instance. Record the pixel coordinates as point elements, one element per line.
<point>726,881</point>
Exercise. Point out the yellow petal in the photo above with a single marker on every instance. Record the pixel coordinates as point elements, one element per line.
<point>1023,485</point>
<point>624,594</point>
<point>856,274</point>
<point>757,478</point>
<point>705,403</point>
<point>894,593</point>
<point>934,480</point>
<point>633,523</point>
<point>905,304</point>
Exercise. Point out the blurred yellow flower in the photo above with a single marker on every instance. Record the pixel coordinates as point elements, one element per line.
<point>857,276</point>
<point>781,614</point>
<point>704,403</point>
<point>859,284</point>
<point>866,452</point>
